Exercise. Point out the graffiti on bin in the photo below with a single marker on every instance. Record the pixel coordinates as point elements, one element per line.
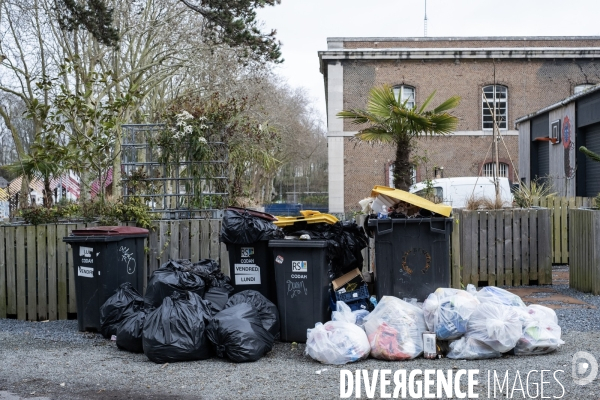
<point>415,251</point>
<point>127,256</point>
<point>296,288</point>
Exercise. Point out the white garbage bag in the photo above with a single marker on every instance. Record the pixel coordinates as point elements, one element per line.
<point>337,342</point>
<point>539,337</point>
<point>536,312</point>
<point>495,295</point>
<point>395,329</point>
<point>471,289</point>
<point>468,348</point>
<point>447,312</point>
<point>542,313</point>
<point>344,313</point>
<point>495,325</point>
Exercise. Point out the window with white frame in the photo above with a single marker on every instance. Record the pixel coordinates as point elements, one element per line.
<point>489,168</point>
<point>404,93</point>
<point>495,103</point>
<point>413,175</point>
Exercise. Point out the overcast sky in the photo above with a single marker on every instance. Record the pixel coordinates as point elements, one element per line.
<point>303,26</point>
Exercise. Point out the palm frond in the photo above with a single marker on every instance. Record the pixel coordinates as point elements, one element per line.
<point>390,121</point>
<point>426,102</point>
<point>376,136</point>
<point>443,123</point>
<point>381,99</point>
<point>449,104</point>
<point>359,117</point>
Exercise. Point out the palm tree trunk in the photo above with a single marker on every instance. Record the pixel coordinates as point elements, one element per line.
<point>402,167</point>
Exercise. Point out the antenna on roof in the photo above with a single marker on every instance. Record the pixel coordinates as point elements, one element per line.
<point>425,18</point>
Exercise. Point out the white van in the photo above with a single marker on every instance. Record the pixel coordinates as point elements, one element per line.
<point>456,192</point>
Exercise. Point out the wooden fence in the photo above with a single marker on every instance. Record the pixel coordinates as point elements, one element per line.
<point>501,247</point>
<point>584,233</point>
<point>560,222</point>
<point>36,266</point>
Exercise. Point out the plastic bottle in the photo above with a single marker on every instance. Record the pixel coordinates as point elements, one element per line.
<point>373,301</point>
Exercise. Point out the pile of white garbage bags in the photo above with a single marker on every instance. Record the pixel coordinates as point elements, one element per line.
<point>447,312</point>
<point>395,329</point>
<point>341,340</point>
<point>478,325</point>
<point>502,322</point>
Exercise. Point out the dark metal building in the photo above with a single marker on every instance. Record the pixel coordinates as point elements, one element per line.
<point>552,137</point>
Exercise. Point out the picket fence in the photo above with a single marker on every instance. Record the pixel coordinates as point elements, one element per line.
<point>501,247</point>
<point>584,267</point>
<point>559,207</point>
<point>510,247</point>
<point>36,267</point>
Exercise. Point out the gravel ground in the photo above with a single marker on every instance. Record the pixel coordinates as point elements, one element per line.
<point>54,360</point>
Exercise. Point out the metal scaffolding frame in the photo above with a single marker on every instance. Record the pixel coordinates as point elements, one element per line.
<point>182,187</point>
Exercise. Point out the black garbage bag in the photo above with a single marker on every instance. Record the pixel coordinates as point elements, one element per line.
<point>177,330</point>
<point>243,228</point>
<point>129,332</point>
<point>345,240</point>
<point>217,297</point>
<point>267,311</point>
<point>210,272</point>
<point>123,303</point>
<point>238,334</point>
<point>171,277</point>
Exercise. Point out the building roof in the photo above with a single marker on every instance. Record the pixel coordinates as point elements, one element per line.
<point>457,48</point>
<point>459,38</point>
<point>559,104</point>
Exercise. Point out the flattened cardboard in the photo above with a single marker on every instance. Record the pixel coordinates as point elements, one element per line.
<point>354,276</point>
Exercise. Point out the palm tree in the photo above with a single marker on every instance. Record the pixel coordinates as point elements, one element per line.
<point>393,122</point>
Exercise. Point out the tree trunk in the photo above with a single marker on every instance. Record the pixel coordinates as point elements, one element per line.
<point>48,200</point>
<point>402,166</point>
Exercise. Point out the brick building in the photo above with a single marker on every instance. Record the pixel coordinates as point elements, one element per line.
<point>518,75</point>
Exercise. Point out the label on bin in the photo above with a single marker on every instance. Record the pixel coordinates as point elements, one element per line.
<point>85,251</point>
<point>85,272</point>
<point>299,266</point>
<point>247,252</point>
<point>247,274</point>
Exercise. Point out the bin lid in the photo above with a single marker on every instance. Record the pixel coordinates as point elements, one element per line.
<point>254,213</point>
<point>413,199</point>
<point>308,216</point>
<point>110,231</point>
<point>297,243</point>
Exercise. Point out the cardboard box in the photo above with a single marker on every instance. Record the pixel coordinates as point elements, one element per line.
<point>348,282</point>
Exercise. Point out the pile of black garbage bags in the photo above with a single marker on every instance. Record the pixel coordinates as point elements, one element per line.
<point>187,314</point>
<point>345,240</point>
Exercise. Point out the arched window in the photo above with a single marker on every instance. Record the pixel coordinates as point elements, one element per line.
<point>582,88</point>
<point>494,103</point>
<point>404,93</point>
<point>489,168</point>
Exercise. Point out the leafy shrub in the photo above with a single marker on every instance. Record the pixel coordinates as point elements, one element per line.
<point>524,196</point>
<point>105,213</point>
